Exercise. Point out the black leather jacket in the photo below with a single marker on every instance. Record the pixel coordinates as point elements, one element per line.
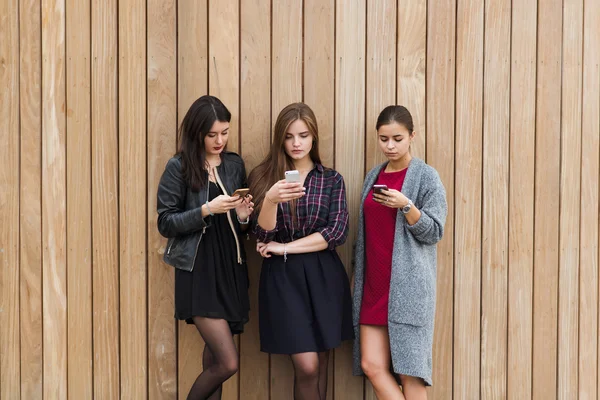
<point>180,214</point>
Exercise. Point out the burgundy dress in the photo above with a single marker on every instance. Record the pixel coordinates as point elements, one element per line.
<point>380,226</point>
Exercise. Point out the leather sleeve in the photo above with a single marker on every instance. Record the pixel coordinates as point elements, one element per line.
<point>173,219</point>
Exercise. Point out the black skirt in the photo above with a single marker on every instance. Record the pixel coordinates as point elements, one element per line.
<point>217,287</point>
<point>304,303</point>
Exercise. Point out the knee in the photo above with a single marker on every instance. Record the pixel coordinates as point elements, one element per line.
<point>372,368</point>
<point>228,368</point>
<point>308,371</point>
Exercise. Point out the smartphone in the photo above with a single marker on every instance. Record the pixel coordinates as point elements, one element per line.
<point>292,176</point>
<point>378,188</point>
<point>241,192</point>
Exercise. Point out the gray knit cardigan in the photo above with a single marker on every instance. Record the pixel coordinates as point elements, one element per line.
<point>412,288</point>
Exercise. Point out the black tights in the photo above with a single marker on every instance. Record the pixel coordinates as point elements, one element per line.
<point>219,361</point>
<point>310,375</point>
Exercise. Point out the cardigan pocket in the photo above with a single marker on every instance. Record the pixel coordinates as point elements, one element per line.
<point>413,300</point>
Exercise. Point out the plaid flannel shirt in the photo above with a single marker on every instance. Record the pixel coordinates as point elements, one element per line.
<point>322,209</point>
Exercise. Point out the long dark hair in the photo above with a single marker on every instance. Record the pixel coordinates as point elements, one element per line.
<point>273,167</point>
<point>196,124</point>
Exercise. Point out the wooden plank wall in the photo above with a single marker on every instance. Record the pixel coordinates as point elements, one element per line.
<point>505,96</point>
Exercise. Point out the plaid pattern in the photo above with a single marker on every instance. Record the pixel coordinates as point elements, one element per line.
<point>323,209</point>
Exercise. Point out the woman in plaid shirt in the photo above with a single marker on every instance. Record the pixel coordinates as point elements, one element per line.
<point>304,295</point>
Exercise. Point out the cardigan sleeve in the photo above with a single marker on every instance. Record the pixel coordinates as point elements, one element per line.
<point>429,229</point>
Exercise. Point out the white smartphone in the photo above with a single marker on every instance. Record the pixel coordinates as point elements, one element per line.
<point>292,176</point>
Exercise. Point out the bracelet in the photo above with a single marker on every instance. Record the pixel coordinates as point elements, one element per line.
<point>284,253</point>
<point>243,222</point>
<point>208,208</point>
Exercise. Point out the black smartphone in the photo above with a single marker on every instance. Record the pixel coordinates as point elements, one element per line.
<point>378,188</point>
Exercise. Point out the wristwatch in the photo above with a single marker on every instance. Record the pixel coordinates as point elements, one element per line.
<point>406,208</point>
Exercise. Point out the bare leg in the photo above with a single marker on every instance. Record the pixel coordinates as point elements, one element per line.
<point>376,360</point>
<point>413,388</point>
<point>306,376</point>
<point>223,358</point>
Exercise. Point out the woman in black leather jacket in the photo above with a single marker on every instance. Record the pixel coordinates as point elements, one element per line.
<point>203,221</point>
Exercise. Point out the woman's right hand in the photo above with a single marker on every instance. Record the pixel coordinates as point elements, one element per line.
<point>223,203</point>
<point>283,191</point>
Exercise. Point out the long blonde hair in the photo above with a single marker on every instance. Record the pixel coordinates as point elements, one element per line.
<point>273,167</point>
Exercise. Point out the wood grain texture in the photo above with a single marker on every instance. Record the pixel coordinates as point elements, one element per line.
<point>570,199</point>
<point>411,56</point>
<point>79,205</point>
<point>590,164</point>
<point>521,199</point>
<point>10,357</point>
<point>319,71</point>
<point>286,62</point>
<point>30,199</point>
<point>350,74</point>
<point>192,45</point>
<point>224,60</point>
<point>162,128</point>
<point>54,193</point>
<point>440,103</point>
<point>547,191</point>
<point>255,127</point>
<point>105,200</point>
<point>286,88</point>
<point>468,186</point>
<point>381,73</point>
<point>494,254</point>
<point>224,83</point>
<point>132,198</point>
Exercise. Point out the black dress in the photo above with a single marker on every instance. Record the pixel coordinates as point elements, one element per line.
<point>217,287</point>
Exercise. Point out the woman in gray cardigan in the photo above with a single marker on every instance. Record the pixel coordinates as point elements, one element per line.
<point>402,216</point>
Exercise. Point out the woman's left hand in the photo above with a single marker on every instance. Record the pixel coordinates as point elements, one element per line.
<point>391,198</point>
<point>244,210</point>
<point>267,249</point>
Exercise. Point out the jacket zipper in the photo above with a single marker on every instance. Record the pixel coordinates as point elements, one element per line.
<point>202,234</point>
<point>237,242</point>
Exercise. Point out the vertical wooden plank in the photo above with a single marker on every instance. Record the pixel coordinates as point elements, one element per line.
<point>319,90</point>
<point>224,83</point>
<point>590,164</point>
<point>521,199</point>
<point>286,80</point>
<point>132,191</point>
<point>468,186</point>
<point>286,64</point>
<point>570,200</point>
<point>224,56</point>
<point>255,125</point>
<point>192,83</point>
<point>162,125</point>
<point>10,358</point>
<point>319,70</point>
<point>496,146</point>
<point>350,50</point>
<point>381,83</point>
<point>440,100</point>
<point>54,284</point>
<point>381,72</point>
<point>31,198</point>
<point>412,45</point>
<point>547,189</point>
<point>79,192</point>
<point>105,200</point>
